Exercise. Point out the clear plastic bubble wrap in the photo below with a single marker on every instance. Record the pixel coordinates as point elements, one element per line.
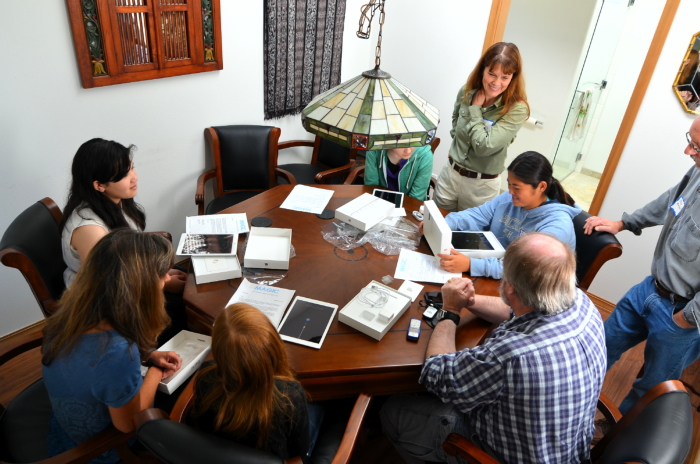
<point>262,276</point>
<point>387,237</point>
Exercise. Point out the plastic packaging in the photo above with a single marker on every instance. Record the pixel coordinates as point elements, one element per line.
<point>387,237</point>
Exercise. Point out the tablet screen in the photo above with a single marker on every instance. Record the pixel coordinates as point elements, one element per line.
<point>392,197</point>
<point>470,241</point>
<point>307,321</point>
<point>206,244</point>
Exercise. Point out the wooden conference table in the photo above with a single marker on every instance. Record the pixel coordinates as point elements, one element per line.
<point>349,362</point>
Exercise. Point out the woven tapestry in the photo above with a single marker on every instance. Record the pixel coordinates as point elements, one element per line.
<point>303,50</point>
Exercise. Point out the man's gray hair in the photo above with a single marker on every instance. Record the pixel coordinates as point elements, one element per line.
<point>542,274</point>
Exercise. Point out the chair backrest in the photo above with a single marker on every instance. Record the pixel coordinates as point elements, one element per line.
<point>32,244</point>
<point>592,251</point>
<point>176,443</point>
<point>244,156</point>
<point>331,154</point>
<point>660,433</point>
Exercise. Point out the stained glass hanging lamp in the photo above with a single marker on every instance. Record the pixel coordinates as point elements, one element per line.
<point>372,111</point>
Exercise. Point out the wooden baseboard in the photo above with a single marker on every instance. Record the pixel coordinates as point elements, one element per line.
<point>38,325</point>
<point>604,306</point>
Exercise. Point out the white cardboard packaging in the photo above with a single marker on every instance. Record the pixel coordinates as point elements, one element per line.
<point>215,268</point>
<point>192,348</point>
<point>268,248</point>
<point>365,211</point>
<point>437,233</point>
<point>374,321</point>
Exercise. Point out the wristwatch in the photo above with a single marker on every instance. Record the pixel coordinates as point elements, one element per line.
<point>442,315</point>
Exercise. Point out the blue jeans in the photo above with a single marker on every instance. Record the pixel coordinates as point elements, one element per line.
<point>644,315</point>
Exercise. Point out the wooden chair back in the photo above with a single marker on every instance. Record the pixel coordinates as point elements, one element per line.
<point>32,244</point>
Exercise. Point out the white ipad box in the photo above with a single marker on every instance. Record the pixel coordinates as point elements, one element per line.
<point>268,248</point>
<point>365,211</point>
<point>435,229</point>
<point>192,348</point>
<point>215,268</point>
<point>370,320</point>
<point>477,244</point>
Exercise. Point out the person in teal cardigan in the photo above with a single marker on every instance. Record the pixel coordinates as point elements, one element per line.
<point>405,170</point>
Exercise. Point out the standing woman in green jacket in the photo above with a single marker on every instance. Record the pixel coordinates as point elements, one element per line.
<point>490,109</point>
<point>405,170</point>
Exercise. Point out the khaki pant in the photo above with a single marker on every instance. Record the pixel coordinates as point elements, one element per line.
<point>454,192</point>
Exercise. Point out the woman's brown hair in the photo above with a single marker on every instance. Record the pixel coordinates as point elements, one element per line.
<point>249,356</point>
<point>119,284</point>
<point>507,56</point>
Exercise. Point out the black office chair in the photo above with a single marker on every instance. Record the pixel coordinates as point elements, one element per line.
<point>24,422</point>
<point>32,244</point>
<point>174,442</point>
<point>592,251</point>
<point>330,163</point>
<point>245,164</point>
<point>658,429</point>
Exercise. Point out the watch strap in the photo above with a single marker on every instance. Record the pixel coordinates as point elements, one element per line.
<point>442,315</point>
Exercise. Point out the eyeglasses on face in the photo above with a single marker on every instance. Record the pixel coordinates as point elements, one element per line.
<point>692,145</point>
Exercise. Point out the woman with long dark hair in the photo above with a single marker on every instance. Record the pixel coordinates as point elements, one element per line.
<point>101,199</point>
<point>107,323</point>
<point>489,111</point>
<point>249,393</point>
<point>535,202</point>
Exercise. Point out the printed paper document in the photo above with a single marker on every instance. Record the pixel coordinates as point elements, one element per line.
<point>272,301</point>
<point>217,224</point>
<point>307,199</point>
<point>419,267</point>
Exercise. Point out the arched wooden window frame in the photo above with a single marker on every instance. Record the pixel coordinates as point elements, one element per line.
<point>494,33</point>
<point>108,51</point>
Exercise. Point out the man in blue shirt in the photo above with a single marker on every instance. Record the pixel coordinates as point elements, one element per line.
<point>526,395</point>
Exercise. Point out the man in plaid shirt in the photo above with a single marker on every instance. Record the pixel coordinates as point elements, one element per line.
<point>526,395</point>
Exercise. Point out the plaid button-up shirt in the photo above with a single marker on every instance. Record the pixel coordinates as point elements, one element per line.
<point>530,391</point>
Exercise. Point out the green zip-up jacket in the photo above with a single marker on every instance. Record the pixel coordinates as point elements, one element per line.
<point>414,177</point>
<point>473,146</point>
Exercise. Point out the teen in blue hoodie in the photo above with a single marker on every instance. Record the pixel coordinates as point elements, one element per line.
<point>535,201</point>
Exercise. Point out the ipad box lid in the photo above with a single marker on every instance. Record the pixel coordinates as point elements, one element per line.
<point>268,248</point>
<point>374,321</point>
<point>435,229</point>
<point>192,348</point>
<point>365,211</point>
<point>215,268</point>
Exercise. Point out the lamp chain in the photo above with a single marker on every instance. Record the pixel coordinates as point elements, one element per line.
<point>367,16</point>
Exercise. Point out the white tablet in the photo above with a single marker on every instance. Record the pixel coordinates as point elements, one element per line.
<point>389,195</point>
<point>207,244</point>
<point>307,322</point>
<point>477,244</point>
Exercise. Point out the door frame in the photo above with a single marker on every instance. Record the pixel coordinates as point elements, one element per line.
<point>494,33</point>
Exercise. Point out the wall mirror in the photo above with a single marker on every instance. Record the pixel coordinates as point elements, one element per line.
<point>687,83</point>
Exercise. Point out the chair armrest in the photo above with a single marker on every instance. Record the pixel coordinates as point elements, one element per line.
<point>360,170</point>
<point>322,177</point>
<point>199,193</point>
<point>352,430</point>
<point>90,449</point>
<point>608,409</point>
<point>295,143</point>
<point>458,445</point>
<point>287,175</point>
<point>14,348</point>
<point>147,415</point>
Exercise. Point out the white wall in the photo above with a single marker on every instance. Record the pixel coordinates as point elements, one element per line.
<point>550,35</point>
<point>652,161</point>
<point>45,114</point>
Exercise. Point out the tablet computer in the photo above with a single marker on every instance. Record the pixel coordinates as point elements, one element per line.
<point>307,322</point>
<point>207,244</point>
<point>389,195</point>
<point>477,244</point>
